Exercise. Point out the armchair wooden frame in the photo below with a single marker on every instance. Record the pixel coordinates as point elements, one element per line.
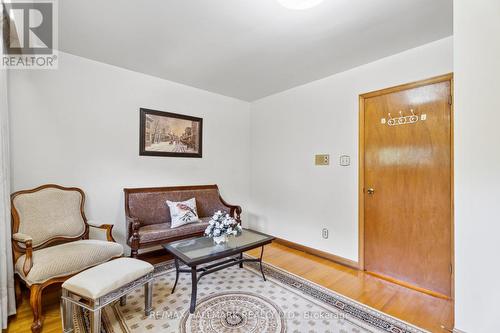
<point>134,224</point>
<point>27,248</point>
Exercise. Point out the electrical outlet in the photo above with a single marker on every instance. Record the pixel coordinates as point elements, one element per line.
<point>324,233</point>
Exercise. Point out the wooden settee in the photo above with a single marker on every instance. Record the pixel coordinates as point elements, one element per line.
<point>148,217</point>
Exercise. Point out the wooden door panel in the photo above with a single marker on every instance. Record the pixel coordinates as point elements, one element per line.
<point>408,217</point>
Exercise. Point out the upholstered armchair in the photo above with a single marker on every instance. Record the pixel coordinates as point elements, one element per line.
<point>50,240</point>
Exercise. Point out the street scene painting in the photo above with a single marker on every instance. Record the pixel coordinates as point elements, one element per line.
<point>170,134</point>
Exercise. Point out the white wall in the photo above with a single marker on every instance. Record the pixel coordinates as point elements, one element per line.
<point>292,198</point>
<point>79,125</point>
<point>477,164</point>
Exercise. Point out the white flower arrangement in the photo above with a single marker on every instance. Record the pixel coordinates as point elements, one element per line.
<point>222,224</point>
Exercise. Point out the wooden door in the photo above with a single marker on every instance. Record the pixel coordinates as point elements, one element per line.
<point>407,190</point>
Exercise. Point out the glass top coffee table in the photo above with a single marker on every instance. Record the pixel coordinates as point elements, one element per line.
<point>203,250</point>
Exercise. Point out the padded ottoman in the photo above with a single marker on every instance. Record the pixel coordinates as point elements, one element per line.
<point>101,285</point>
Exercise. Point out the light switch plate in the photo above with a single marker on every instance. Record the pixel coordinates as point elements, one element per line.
<point>323,159</point>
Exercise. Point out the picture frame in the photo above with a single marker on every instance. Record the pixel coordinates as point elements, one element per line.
<point>170,134</point>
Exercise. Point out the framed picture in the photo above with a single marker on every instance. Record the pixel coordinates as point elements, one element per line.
<point>170,134</point>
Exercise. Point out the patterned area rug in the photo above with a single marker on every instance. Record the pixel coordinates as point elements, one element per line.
<point>238,300</point>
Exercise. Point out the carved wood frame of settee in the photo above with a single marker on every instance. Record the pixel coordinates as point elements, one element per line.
<point>134,224</point>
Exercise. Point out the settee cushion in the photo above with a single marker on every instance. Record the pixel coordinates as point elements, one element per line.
<point>66,259</point>
<point>154,232</point>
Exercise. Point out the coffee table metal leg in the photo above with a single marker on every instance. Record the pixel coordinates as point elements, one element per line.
<point>176,274</point>
<point>260,262</point>
<point>194,283</point>
<point>241,258</point>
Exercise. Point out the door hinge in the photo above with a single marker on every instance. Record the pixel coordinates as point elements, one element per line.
<point>451,268</point>
<point>450,99</point>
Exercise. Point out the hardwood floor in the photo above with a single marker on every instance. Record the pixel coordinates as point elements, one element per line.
<point>412,306</point>
<point>415,307</point>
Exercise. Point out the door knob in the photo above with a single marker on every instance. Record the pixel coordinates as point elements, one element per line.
<point>370,190</point>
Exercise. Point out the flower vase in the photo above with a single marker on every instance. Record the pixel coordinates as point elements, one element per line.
<point>220,239</point>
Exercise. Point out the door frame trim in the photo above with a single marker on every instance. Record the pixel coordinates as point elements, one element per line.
<point>361,161</point>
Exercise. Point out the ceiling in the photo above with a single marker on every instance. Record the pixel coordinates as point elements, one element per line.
<point>247,49</point>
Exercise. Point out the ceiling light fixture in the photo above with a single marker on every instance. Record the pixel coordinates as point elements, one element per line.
<point>299,4</point>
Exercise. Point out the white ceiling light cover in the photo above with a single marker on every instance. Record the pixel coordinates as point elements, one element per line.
<point>299,4</point>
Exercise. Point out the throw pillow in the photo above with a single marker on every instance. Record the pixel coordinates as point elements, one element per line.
<point>183,212</point>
